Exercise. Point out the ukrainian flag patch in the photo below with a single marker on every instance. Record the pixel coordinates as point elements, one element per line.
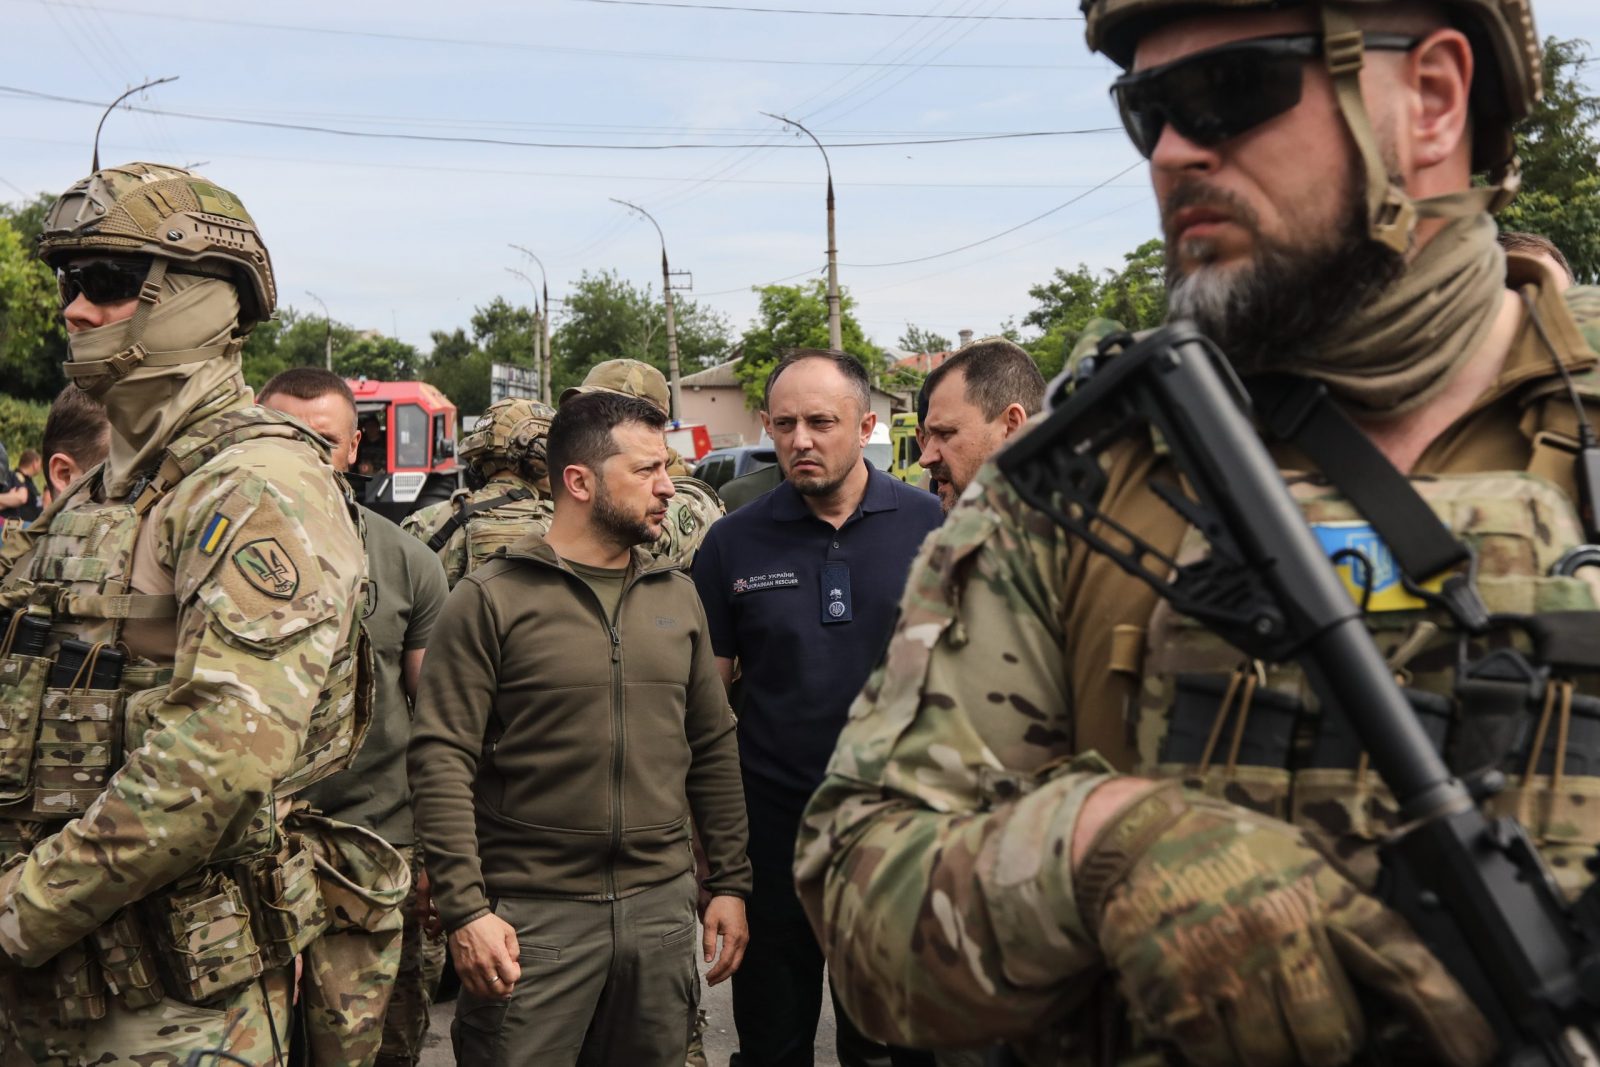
<point>211,538</point>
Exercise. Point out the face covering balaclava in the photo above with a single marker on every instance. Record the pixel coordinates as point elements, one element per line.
<point>192,325</point>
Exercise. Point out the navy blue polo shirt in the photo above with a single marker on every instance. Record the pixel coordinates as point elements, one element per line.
<point>807,610</point>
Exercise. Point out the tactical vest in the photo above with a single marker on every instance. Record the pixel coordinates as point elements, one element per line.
<point>1252,733</point>
<point>70,711</point>
<point>690,514</point>
<point>482,521</point>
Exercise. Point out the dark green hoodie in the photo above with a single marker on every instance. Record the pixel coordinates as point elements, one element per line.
<point>556,755</point>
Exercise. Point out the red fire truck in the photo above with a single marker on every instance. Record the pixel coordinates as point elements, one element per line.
<point>408,446</point>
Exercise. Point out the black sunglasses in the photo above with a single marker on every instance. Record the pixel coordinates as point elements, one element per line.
<point>103,281</point>
<point>1216,95</point>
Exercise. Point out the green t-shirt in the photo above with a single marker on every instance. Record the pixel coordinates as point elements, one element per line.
<point>406,591</point>
<point>607,583</point>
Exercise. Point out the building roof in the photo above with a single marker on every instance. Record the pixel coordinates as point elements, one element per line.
<point>720,375</point>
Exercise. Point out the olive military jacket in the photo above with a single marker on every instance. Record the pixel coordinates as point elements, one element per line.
<point>559,754</point>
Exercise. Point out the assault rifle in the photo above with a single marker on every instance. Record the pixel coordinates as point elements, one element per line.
<point>1474,888</point>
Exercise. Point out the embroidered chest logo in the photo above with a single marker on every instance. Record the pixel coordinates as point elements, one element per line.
<point>266,565</point>
<point>757,582</point>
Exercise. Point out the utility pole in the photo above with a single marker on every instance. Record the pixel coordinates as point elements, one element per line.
<point>666,296</point>
<point>327,336</point>
<point>835,333</point>
<point>544,380</point>
<point>544,323</point>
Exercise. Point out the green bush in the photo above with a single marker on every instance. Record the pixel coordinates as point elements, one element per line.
<point>21,424</point>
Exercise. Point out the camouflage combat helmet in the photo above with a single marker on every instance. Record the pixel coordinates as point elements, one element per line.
<point>1507,83</point>
<point>512,433</point>
<point>631,377</point>
<point>170,213</point>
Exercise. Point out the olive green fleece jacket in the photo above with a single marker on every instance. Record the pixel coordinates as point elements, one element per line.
<point>554,755</point>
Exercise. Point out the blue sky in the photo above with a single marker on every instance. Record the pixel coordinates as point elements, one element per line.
<point>408,236</point>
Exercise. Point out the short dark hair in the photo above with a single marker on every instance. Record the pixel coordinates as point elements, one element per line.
<point>306,383</point>
<point>77,426</point>
<point>1534,244</point>
<point>847,365</point>
<point>28,456</point>
<point>581,433</point>
<point>999,373</point>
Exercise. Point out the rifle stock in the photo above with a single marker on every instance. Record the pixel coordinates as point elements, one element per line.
<point>1475,889</point>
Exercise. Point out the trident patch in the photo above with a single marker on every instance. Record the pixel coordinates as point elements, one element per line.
<point>266,565</point>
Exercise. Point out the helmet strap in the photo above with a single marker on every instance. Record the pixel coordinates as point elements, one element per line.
<point>1391,214</point>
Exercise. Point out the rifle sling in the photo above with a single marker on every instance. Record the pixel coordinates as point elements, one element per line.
<point>1299,411</point>
<point>466,511</point>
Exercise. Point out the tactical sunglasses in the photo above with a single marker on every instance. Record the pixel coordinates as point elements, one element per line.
<point>103,281</point>
<point>1215,95</point>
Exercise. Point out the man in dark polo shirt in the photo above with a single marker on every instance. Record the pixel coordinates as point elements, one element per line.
<point>800,587</point>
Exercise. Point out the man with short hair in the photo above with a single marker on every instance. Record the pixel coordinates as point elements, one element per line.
<point>1017,839</point>
<point>554,787</point>
<point>77,436</point>
<point>977,399</point>
<point>694,505</point>
<point>19,502</point>
<point>405,592</point>
<point>1540,247</point>
<point>800,588</point>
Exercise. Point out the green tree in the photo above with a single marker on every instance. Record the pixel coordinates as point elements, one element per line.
<point>916,339</point>
<point>1560,155</point>
<point>292,338</point>
<point>459,369</point>
<point>796,316</point>
<point>32,340</point>
<point>1135,296</point>
<point>607,317</point>
<point>505,332</point>
<point>377,357</point>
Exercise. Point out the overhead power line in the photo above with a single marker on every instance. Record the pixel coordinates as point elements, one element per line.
<point>1010,230</point>
<point>850,14</point>
<point>529,46</point>
<point>506,142</point>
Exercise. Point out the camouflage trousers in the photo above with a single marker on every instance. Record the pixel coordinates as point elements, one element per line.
<point>350,970</point>
<point>405,1024</point>
<point>251,1026</point>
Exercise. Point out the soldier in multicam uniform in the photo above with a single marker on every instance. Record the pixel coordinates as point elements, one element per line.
<point>1052,779</point>
<point>506,451</point>
<point>178,656</point>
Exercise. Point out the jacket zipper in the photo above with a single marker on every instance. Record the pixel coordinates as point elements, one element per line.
<point>619,747</point>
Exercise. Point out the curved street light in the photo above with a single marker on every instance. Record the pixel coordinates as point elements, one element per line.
<point>666,296</point>
<point>835,334</point>
<point>542,357</point>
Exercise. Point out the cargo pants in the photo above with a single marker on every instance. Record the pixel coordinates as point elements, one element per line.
<point>603,983</point>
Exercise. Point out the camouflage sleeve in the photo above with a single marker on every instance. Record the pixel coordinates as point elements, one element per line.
<point>934,860</point>
<point>424,523</point>
<point>262,610</point>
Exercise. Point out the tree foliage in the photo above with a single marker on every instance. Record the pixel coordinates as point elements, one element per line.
<point>32,339</point>
<point>608,317</point>
<point>1135,296</point>
<point>796,316</point>
<point>1560,155</point>
<point>296,339</point>
<point>916,339</point>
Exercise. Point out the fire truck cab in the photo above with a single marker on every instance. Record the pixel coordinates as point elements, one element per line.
<point>407,453</point>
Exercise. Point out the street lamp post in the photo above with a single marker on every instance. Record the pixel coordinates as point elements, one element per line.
<point>543,372</point>
<point>666,296</point>
<point>544,320</point>
<point>327,336</point>
<point>835,334</point>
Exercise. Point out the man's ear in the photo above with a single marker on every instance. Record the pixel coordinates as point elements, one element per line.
<point>355,446</point>
<point>62,470</point>
<point>869,422</point>
<point>579,481</point>
<point>1012,419</point>
<point>1439,75</point>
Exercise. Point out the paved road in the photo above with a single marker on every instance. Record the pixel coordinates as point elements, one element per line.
<point>720,1039</point>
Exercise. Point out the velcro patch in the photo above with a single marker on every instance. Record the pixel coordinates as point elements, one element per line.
<point>268,567</point>
<point>211,537</point>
